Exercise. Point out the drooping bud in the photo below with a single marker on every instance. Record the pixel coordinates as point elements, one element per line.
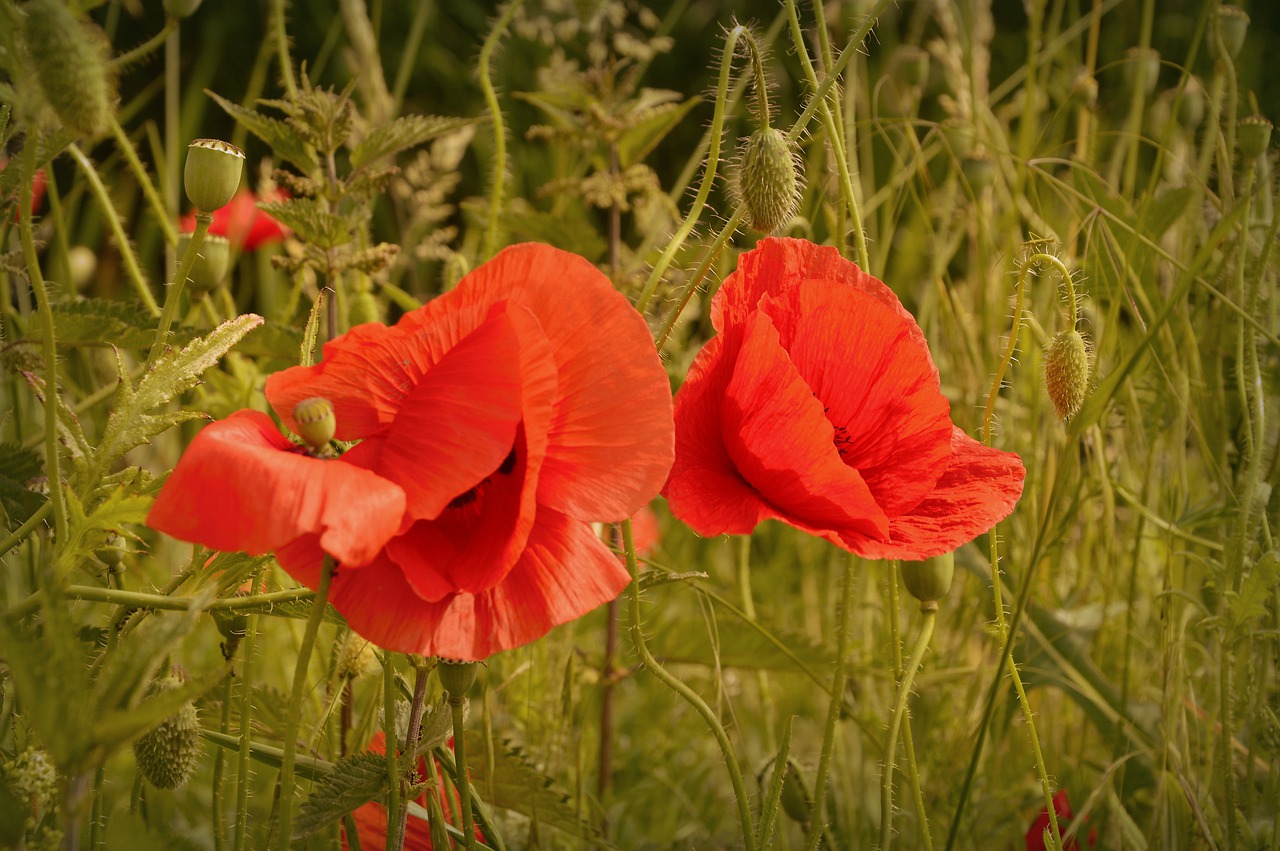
<point>929,580</point>
<point>457,678</point>
<point>211,264</point>
<point>1233,25</point>
<point>1253,135</point>
<point>212,173</point>
<point>1066,373</point>
<point>167,755</point>
<point>70,59</point>
<point>316,421</point>
<point>767,181</point>
<point>1144,62</point>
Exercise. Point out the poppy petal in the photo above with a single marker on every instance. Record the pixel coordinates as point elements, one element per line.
<point>782,443</point>
<point>241,485</point>
<point>893,425</point>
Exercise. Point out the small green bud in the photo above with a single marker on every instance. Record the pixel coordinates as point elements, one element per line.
<point>363,308</point>
<point>316,421</point>
<point>211,263</point>
<point>1066,373</point>
<point>166,756</point>
<point>1191,107</point>
<point>181,8</point>
<point>1144,61</point>
<point>112,551</point>
<point>1084,88</point>
<point>910,65</point>
<point>767,181</point>
<point>70,59</point>
<point>1233,25</point>
<point>457,678</point>
<point>1253,135</point>
<point>455,269</point>
<point>212,173</point>
<point>929,580</point>
<point>979,171</point>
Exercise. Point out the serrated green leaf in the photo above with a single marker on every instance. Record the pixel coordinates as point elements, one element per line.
<point>17,467</point>
<point>1250,603</point>
<point>650,128</point>
<point>284,142</point>
<point>85,530</point>
<point>124,324</point>
<point>405,132</point>
<point>309,221</point>
<point>354,781</point>
<point>272,340</point>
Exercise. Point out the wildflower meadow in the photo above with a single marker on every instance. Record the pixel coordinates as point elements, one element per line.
<point>610,424</point>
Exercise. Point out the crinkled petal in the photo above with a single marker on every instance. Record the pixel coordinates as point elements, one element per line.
<point>241,485</point>
<point>876,383</point>
<point>782,443</point>
<point>979,489</point>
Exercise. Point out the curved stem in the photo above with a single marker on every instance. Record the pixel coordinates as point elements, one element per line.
<point>295,702</point>
<point>25,529</point>
<point>499,128</point>
<point>174,294</point>
<point>464,782</point>
<point>717,729</point>
<point>140,52</point>
<point>930,613</point>
<point>144,180</point>
<point>762,82</point>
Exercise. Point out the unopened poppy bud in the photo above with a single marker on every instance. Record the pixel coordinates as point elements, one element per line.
<point>212,173</point>
<point>457,677</point>
<point>1253,136</point>
<point>1066,373</point>
<point>767,181</point>
<point>910,65</point>
<point>211,264</point>
<point>358,658</point>
<point>979,171</point>
<point>166,756</point>
<point>929,580</point>
<point>1233,25</point>
<point>112,551</point>
<point>181,8</point>
<point>316,421</point>
<point>1144,61</point>
<point>364,308</point>
<point>796,800</point>
<point>70,61</point>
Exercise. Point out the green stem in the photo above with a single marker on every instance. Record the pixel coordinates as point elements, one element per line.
<point>246,733</point>
<point>700,274</point>
<point>930,613</point>
<point>762,82</point>
<point>96,840</point>
<point>816,821</point>
<point>690,696</point>
<point>219,768</point>
<point>499,128</point>
<point>411,746</point>
<point>390,739</point>
<point>282,48</point>
<point>163,216</point>
<point>25,529</point>
<point>52,462</point>
<point>137,54</point>
<point>174,294</point>
<point>127,257</point>
<point>293,718</point>
<point>464,782</point>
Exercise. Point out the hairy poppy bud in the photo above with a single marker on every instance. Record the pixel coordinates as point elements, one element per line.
<point>796,800</point>
<point>71,66</point>
<point>1146,61</point>
<point>316,421</point>
<point>929,580</point>
<point>767,181</point>
<point>1253,136</point>
<point>1066,373</point>
<point>457,677</point>
<point>358,658</point>
<point>166,756</point>
<point>211,263</point>
<point>364,308</point>
<point>1233,25</point>
<point>212,173</point>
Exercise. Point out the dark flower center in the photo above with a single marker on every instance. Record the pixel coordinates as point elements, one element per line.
<point>467,497</point>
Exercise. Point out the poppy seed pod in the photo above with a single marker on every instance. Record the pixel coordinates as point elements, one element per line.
<point>70,65</point>
<point>1145,61</point>
<point>1066,373</point>
<point>929,580</point>
<point>1233,25</point>
<point>166,756</point>
<point>212,173</point>
<point>211,264</point>
<point>1253,135</point>
<point>767,181</point>
<point>316,421</point>
<point>181,8</point>
<point>457,678</point>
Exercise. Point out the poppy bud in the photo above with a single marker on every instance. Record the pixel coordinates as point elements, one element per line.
<point>457,678</point>
<point>1148,61</point>
<point>911,65</point>
<point>1253,136</point>
<point>112,551</point>
<point>71,66</point>
<point>1084,89</point>
<point>767,181</point>
<point>181,8</point>
<point>796,800</point>
<point>1233,25</point>
<point>166,756</point>
<point>211,263</point>
<point>929,580</point>
<point>358,658</point>
<point>1066,373</point>
<point>1191,107</point>
<point>316,421</point>
<point>212,173</point>
<point>364,308</point>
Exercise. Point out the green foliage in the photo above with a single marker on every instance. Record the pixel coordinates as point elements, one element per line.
<point>18,467</point>
<point>353,782</point>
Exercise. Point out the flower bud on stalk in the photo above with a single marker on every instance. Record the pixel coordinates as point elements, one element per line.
<point>1233,25</point>
<point>929,580</point>
<point>181,8</point>
<point>70,59</point>
<point>767,181</point>
<point>211,263</point>
<point>364,308</point>
<point>1066,373</point>
<point>316,421</point>
<point>1253,135</point>
<point>457,678</point>
<point>166,756</point>
<point>212,173</point>
<point>1148,62</point>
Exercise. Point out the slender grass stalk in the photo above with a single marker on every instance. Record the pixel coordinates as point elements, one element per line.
<point>410,748</point>
<point>498,190</point>
<point>456,705</point>
<point>929,613</point>
<point>391,740</point>
<point>163,212</point>
<point>173,296</point>
<point>817,822</point>
<point>243,775</point>
<point>294,716</point>
<point>281,39</point>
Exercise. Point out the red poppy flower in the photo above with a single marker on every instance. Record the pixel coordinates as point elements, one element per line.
<point>242,223</point>
<point>38,187</point>
<point>818,404</point>
<point>1062,807</point>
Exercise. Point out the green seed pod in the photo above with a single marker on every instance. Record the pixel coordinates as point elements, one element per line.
<point>929,580</point>
<point>1066,373</point>
<point>181,8</point>
<point>909,65</point>
<point>316,421</point>
<point>1253,136</point>
<point>455,269</point>
<point>70,60</point>
<point>1191,108</point>
<point>1084,89</point>
<point>457,677</point>
<point>167,755</point>
<point>1145,62</point>
<point>767,181</point>
<point>112,551</point>
<point>979,171</point>
<point>1233,26</point>
<point>363,308</point>
<point>212,173</point>
<point>210,268</point>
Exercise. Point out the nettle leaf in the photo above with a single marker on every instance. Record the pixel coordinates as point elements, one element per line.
<point>70,434</point>
<point>283,139</point>
<point>125,324</point>
<point>1250,603</point>
<point>273,340</point>
<point>87,530</point>
<point>405,132</point>
<point>17,467</point>
<point>309,220</point>
<point>353,782</point>
<point>651,127</point>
